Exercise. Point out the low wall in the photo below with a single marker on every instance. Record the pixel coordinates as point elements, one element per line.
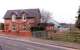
<point>22,34</point>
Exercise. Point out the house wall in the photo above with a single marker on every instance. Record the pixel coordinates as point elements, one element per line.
<point>50,30</point>
<point>19,25</point>
<point>7,25</point>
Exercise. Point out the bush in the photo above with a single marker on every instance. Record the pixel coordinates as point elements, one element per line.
<point>1,26</point>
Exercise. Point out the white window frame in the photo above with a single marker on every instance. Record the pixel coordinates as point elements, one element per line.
<point>25,28</point>
<point>13,17</point>
<point>13,26</point>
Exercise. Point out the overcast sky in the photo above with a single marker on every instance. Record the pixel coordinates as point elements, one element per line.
<point>62,10</point>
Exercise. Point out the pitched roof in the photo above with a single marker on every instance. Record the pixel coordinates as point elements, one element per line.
<point>29,12</point>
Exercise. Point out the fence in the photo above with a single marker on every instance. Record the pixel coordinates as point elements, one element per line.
<point>72,35</point>
<point>40,34</point>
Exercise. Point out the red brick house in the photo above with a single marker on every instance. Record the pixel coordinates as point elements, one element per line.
<point>19,22</point>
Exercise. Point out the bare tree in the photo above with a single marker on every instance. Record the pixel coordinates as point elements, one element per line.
<point>45,15</point>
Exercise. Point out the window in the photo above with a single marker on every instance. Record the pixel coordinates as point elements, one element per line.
<point>13,17</point>
<point>13,27</point>
<point>6,26</point>
<point>26,28</point>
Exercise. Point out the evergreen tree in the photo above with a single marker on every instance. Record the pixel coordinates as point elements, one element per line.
<point>78,19</point>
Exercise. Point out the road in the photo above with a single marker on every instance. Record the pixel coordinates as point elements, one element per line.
<point>10,44</point>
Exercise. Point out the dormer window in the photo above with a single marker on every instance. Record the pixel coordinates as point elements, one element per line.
<point>24,17</point>
<point>13,17</point>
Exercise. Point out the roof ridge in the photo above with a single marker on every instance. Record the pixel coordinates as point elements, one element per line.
<point>23,9</point>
